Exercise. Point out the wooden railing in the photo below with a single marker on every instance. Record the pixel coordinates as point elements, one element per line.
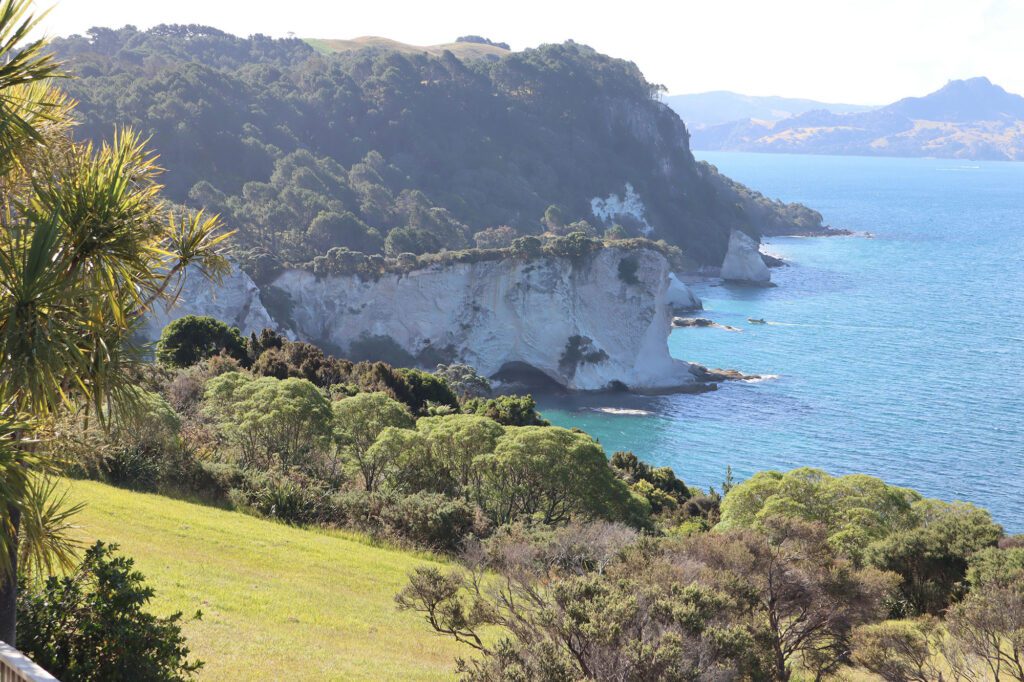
<point>16,667</point>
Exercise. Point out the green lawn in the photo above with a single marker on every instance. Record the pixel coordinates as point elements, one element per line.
<point>278,602</point>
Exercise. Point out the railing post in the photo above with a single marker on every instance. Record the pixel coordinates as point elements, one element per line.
<point>17,667</point>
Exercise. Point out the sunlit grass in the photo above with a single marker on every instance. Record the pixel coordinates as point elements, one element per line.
<point>278,602</point>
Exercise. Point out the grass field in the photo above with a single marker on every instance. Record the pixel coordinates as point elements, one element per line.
<point>278,603</point>
<point>461,50</point>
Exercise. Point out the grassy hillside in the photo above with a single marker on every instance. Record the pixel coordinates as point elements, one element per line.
<point>278,602</point>
<point>463,50</point>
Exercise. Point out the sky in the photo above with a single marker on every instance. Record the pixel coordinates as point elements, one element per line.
<point>850,51</point>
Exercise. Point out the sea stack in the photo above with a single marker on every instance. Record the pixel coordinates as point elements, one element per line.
<point>743,262</point>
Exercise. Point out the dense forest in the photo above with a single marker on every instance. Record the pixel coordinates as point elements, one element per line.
<point>382,152</point>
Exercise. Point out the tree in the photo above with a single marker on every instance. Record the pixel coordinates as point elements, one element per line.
<point>270,419</point>
<point>358,421</point>
<point>510,410</point>
<point>91,625</point>
<point>803,598</point>
<point>550,474</point>
<point>423,389</point>
<point>83,255</point>
<point>856,510</point>
<point>192,338</point>
<point>986,629</point>
<point>464,380</point>
<point>401,460</point>
<point>589,609</point>
<point>553,218</point>
<point>455,442</point>
<point>899,650</point>
<point>932,558</point>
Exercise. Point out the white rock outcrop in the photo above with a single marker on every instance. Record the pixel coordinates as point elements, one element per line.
<point>680,297</point>
<point>580,323</point>
<point>236,301</point>
<point>743,262</point>
<point>629,205</point>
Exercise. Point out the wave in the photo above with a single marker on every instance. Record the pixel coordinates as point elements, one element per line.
<point>622,411</point>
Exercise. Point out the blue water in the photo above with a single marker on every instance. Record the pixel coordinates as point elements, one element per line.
<point>900,356</point>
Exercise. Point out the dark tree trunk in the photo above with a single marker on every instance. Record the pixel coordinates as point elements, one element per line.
<point>9,585</point>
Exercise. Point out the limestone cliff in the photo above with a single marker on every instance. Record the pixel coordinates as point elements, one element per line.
<point>588,323</point>
<point>236,301</point>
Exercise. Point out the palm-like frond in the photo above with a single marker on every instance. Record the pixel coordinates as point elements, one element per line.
<point>87,247</point>
<point>47,544</point>
<point>22,63</point>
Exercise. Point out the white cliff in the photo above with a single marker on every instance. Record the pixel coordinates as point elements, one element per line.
<point>579,323</point>
<point>680,297</point>
<point>743,262</point>
<point>236,301</point>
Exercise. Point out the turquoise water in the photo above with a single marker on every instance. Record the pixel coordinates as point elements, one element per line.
<point>900,356</point>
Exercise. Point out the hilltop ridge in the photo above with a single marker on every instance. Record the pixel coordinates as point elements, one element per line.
<point>968,119</point>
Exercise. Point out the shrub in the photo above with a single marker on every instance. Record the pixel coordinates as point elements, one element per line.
<point>425,519</point>
<point>510,410</point>
<point>192,338</point>
<point>286,495</point>
<point>464,380</point>
<point>270,419</point>
<point>93,625</point>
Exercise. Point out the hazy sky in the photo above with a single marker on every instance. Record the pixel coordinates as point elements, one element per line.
<point>857,51</point>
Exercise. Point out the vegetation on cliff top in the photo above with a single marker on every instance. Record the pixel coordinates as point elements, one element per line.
<point>383,152</point>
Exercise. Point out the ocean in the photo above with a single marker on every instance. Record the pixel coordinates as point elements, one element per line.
<point>899,356</point>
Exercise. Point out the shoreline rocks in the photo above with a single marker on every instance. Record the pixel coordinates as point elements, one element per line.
<point>706,375</point>
<point>684,322</point>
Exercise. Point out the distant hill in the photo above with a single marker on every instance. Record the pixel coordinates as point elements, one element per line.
<point>721,106</point>
<point>463,49</point>
<point>966,119</point>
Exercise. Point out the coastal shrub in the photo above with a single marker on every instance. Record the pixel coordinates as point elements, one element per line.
<point>270,420</point>
<point>509,410</point>
<point>464,380</point>
<point>95,624</point>
<point>455,441</point>
<point>932,557</point>
<point>192,338</point>
<point>357,422</point>
<point>288,495</point>
<point>423,519</point>
<point>597,598</point>
<point>856,510</point>
<point>430,520</point>
<point>550,474</point>
<point>424,388</point>
<point>899,650</point>
<point>659,486</point>
<point>495,237</point>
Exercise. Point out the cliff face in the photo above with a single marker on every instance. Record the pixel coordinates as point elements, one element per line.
<point>587,324</point>
<point>236,301</point>
<point>583,324</point>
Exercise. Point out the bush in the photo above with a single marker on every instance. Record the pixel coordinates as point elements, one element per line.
<point>286,495</point>
<point>192,338</point>
<point>92,625</point>
<point>424,519</point>
<point>510,410</point>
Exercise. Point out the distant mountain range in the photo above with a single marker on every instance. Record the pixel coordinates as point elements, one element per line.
<point>966,119</point>
<point>706,109</point>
